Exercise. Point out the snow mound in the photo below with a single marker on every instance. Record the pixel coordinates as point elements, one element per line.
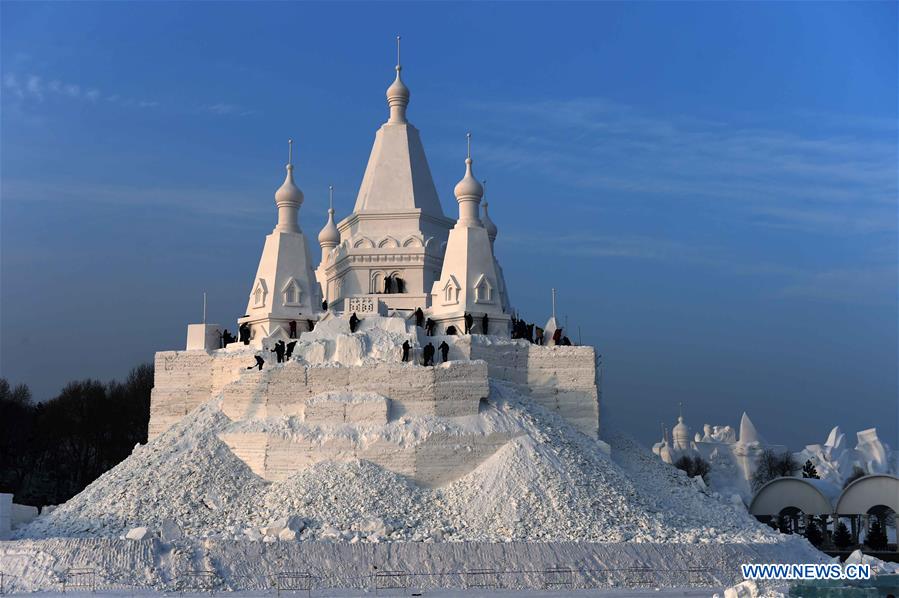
<point>548,483</point>
<point>186,475</point>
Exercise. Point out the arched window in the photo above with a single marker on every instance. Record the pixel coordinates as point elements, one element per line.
<point>483,290</point>
<point>451,291</point>
<point>292,293</point>
<point>259,293</point>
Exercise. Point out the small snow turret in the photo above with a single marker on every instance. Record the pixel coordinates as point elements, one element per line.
<point>284,287</point>
<point>329,237</point>
<point>398,93</point>
<point>471,282</point>
<point>680,435</point>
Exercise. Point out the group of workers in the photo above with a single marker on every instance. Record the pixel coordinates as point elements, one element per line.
<point>535,334</point>
<point>520,330</point>
<point>427,353</point>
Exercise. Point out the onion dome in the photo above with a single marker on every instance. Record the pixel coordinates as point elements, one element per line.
<point>288,198</point>
<point>288,194</point>
<point>329,235</point>
<point>398,93</point>
<point>469,188</point>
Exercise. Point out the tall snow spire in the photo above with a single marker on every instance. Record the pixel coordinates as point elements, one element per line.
<point>288,198</point>
<point>468,193</point>
<point>398,93</point>
<point>488,223</point>
<point>329,236</point>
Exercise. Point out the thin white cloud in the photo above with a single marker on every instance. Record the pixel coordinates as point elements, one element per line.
<point>833,180</point>
<point>35,88</point>
<point>31,88</point>
<point>225,109</point>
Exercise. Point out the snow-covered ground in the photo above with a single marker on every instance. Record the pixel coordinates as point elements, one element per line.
<point>440,593</point>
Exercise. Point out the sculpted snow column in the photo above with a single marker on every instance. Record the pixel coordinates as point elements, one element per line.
<point>285,287</point>
<point>470,280</point>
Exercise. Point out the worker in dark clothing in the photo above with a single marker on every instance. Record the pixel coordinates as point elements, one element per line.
<point>429,327</point>
<point>279,351</point>
<point>557,337</point>
<point>538,339</point>
<point>354,321</point>
<point>419,317</point>
<point>388,284</point>
<point>485,325</point>
<point>324,305</point>
<point>244,332</point>
<point>259,363</point>
<point>227,338</point>
<point>566,342</point>
<point>429,354</point>
<point>468,322</point>
<point>444,351</point>
<point>290,347</point>
<point>293,328</point>
<point>406,347</point>
<point>529,333</point>
<point>400,284</point>
<point>310,324</point>
<point>451,331</point>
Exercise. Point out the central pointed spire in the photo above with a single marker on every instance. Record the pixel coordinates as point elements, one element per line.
<point>398,93</point>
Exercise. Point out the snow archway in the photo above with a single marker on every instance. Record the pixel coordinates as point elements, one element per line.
<point>812,497</point>
<point>869,492</point>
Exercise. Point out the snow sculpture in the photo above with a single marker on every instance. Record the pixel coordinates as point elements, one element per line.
<point>397,229</point>
<point>469,268</point>
<point>836,463</point>
<point>285,288</point>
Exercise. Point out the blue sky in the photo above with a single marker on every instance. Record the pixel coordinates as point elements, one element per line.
<point>712,187</point>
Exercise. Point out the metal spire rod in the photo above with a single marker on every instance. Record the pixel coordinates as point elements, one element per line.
<point>484,184</point>
<point>290,151</point>
<point>331,197</point>
<point>468,136</point>
<point>554,304</point>
<point>398,50</point>
<point>204,307</point>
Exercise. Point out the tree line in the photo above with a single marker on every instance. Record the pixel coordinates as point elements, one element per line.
<point>50,451</point>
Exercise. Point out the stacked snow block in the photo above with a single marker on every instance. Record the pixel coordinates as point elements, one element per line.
<point>337,408</point>
<point>559,378</point>
<point>434,460</point>
<point>449,390</point>
<point>184,380</point>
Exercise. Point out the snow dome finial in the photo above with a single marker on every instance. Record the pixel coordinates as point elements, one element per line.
<point>398,93</point>
<point>329,236</point>
<point>468,193</point>
<point>288,198</point>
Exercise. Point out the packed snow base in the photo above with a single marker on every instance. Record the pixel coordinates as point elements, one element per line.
<point>549,496</point>
<point>549,483</point>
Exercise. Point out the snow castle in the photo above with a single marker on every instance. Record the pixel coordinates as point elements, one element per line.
<point>396,253</point>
